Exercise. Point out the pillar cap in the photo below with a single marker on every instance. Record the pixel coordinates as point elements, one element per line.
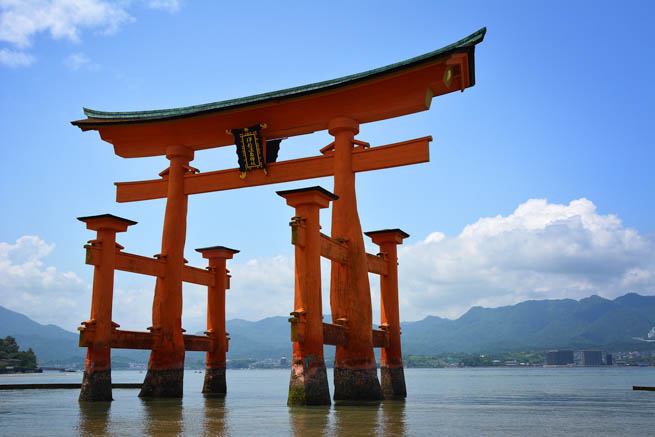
<point>387,235</point>
<point>309,195</point>
<point>217,252</point>
<point>339,124</point>
<point>106,221</point>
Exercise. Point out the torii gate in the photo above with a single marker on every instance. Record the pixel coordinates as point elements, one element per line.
<point>338,105</point>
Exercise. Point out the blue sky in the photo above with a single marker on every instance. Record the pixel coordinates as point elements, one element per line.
<point>539,185</point>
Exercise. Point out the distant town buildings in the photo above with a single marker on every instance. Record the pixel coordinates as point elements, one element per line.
<point>608,359</point>
<point>591,358</point>
<point>558,358</point>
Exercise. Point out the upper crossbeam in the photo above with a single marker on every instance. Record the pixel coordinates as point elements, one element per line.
<point>409,152</point>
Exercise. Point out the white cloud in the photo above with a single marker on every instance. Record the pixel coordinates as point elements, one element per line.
<point>75,61</point>
<point>540,251</point>
<point>13,58</point>
<point>21,20</point>
<point>41,292</point>
<point>167,5</point>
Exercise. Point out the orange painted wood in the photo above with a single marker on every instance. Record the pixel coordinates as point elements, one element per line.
<point>393,95</point>
<point>333,250</point>
<point>391,355</point>
<point>414,151</point>
<point>335,335</point>
<point>121,339</point>
<point>168,351</point>
<point>128,262</point>
<point>197,342</point>
<point>198,276</point>
<point>350,292</point>
<point>380,338</point>
<point>376,264</point>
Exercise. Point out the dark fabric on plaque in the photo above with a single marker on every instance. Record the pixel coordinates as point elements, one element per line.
<point>272,148</point>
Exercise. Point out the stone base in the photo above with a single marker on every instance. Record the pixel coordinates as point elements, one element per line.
<point>96,386</point>
<point>393,383</point>
<point>215,382</point>
<point>163,384</point>
<point>357,385</point>
<point>308,387</point>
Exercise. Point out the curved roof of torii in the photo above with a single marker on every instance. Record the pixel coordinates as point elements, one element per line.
<point>390,91</point>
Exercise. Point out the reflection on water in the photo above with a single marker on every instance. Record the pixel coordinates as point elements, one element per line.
<point>460,402</point>
<point>215,417</point>
<point>342,419</point>
<point>162,417</point>
<point>94,418</point>
<point>309,420</point>
<point>393,418</point>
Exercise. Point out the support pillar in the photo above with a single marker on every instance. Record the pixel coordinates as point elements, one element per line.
<point>355,372</point>
<point>166,366</point>
<point>391,359</point>
<point>308,384</point>
<point>96,382</point>
<point>215,383</point>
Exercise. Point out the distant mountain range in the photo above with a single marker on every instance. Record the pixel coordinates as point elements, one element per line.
<point>593,322</point>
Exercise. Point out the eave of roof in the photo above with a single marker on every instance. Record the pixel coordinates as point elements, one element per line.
<point>464,45</point>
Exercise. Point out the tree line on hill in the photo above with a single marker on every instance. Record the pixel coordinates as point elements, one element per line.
<point>538,325</point>
<point>14,360</point>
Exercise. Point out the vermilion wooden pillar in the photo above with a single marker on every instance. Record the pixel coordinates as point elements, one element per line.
<point>96,382</point>
<point>215,363</point>
<point>308,384</point>
<point>391,359</point>
<point>355,372</point>
<point>166,366</point>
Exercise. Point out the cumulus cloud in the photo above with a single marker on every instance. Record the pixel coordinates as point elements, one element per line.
<point>75,61</point>
<point>540,251</point>
<point>13,58</point>
<point>21,21</point>
<point>166,5</point>
<point>41,292</point>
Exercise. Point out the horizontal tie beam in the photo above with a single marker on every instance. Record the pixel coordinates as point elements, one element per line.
<point>338,251</point>
<point>121,339</point>
<point>376,264</point>
<point>143,265</point>
<point>375,158</point>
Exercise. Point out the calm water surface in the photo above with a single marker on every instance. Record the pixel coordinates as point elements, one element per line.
<point>451,402</point>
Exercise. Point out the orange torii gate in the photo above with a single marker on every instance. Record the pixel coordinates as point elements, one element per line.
<point>256,124</point>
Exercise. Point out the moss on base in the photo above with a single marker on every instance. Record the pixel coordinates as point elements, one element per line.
<point>357,385</point>
<point>393,383</point>
<point>309,389</point>
<point>215,382</point>
<point>96,386</point>
<point>163,384</point>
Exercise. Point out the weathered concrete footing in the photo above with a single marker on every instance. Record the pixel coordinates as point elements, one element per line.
<point>393,382</point>
<point>308,386</point>
<point>163,384</point>
<point>96,386</point>
<point>215,382</point>
<point>357,385</point>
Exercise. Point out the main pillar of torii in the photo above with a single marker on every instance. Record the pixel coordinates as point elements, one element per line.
<point>355,370</point>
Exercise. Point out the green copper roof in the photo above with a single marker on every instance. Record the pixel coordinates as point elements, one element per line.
<point>464,45</point>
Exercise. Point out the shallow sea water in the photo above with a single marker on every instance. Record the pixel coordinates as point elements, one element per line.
<point>451,402</point>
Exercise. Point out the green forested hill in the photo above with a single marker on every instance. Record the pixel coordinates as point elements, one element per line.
<point>544,324</point>
<point>593,322</point>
